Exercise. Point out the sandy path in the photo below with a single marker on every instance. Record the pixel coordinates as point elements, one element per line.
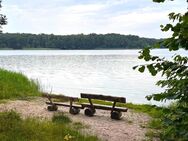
<point>127,129</point>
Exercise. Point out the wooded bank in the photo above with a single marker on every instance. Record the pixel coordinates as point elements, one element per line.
<point>79,41</point>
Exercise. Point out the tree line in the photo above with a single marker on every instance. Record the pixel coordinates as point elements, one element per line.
<point>79,41</point>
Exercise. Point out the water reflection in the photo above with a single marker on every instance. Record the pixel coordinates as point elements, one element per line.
<point>72,72</point>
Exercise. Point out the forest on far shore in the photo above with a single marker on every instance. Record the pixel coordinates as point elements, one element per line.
<point>79,41</point>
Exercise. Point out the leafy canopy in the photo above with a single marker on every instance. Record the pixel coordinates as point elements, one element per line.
<point>3,19</point>
<point>175,72</point>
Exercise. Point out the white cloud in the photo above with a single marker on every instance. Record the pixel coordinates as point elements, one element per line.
<point>95,16</point>
<point>85,8</point>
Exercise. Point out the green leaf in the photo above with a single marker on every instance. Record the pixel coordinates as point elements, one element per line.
<point>152,69</point>
<point>167,27</point>
<point>149,97</point>
<point>158,66</point>
<point>158,97</point>
<point>141,69</point>
<point>154,58</point>
<point>140,57</point>
<point>146,54</point>
<point>135,67</point>
<point>171,15</point>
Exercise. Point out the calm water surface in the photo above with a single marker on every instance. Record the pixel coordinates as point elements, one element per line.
<point>71,72</point>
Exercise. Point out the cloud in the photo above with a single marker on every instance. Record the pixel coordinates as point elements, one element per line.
<point>85,8</point>
<point>94,16</point>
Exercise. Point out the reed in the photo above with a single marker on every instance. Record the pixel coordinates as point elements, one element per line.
<point>17,85</point>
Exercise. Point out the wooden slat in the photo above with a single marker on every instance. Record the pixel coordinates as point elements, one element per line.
<point>104,107</point>
<point>103,97</point>
<point>64,104</point>
<point>59,96</point>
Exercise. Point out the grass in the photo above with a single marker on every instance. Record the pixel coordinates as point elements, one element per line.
<point>16,85</point>
<point>61,118</point>
<point>3,101</point>
<point>14,128</point>
<point>153,135</point>
<point>79,125</point>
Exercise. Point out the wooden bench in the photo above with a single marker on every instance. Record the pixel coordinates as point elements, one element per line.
<point>90,107</point>
<point>53,105</point>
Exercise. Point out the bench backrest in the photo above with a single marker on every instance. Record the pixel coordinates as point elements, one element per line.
<point>103,97</point>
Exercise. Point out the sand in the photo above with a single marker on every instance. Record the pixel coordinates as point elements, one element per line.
<point>129,128</point>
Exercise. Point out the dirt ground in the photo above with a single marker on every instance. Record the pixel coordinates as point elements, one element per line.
<point>129,128</point>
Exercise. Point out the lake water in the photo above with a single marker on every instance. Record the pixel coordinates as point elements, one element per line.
<point>71,72</point>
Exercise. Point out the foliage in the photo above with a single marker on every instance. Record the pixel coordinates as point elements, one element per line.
<point>16,85</point>
<point>175,72</point>
<point>175,124</point>
<point>3,19</point>
<point>14,128</point>
<point>80,41</point>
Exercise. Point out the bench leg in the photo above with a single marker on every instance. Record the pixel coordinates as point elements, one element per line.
<point>89,112</point>
<point>74,111</point>
<point>116,115</point>
<point>52,107</point>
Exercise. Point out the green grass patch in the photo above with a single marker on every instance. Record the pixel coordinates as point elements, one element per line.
<point>2,101</point>
<point>155,123</point>
<point>79,125</point>
<point>153,135</point>
<point>14,128</point>
<point>16,85</point>
<point>61,118</point>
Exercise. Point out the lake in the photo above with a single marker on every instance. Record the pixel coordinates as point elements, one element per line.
<point>71,72</point>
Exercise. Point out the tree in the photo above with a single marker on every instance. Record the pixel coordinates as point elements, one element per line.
<point>175,71</point>
<point>3,19</point>
<point>80,41</point>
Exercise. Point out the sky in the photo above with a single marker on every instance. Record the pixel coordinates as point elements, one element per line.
<point>62,17</point>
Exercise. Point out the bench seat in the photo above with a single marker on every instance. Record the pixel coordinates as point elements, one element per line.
<point>104,107</point>
<point>64,104</point>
